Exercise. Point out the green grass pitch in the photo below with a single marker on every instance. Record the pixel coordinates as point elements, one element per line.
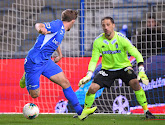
<point>67,119</point>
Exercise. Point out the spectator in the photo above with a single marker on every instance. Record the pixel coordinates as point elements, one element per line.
<point>125,32</point>
<point>152,39</point>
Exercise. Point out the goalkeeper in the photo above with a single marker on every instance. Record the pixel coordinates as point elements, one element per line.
<point>115,64</point>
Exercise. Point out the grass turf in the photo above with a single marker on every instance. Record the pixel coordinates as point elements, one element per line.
<point>67,119</point>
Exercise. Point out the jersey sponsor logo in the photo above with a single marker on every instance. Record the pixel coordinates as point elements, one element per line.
<point>111,52</point>
<point>114,41</point>
<point>55,41</point>
<point>106,42</point>
<point>103,73</point>
<point>47,24</point>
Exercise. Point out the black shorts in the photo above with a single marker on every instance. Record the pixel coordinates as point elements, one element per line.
<point>106,78</point>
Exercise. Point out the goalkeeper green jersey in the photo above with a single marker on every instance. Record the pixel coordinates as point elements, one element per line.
<point>114,52</point>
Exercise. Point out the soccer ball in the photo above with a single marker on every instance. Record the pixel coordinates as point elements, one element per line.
<point>30,111</point>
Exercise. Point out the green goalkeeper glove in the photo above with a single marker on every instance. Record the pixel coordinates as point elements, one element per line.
<point>85,79</point>
<point>142,76</point>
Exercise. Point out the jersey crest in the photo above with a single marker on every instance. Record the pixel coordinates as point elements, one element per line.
<point>47,24</point>
<point>116,45</point>
<point>113,41</point>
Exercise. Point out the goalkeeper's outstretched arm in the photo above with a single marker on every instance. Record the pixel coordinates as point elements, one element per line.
<point>91,66</point>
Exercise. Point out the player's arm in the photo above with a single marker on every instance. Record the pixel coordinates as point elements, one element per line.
<point>94,59</point>
<point>48,27</point>
<point>91,66</point>
<point>132,50</point>
<point>59,57</point>
<point>40,27</point>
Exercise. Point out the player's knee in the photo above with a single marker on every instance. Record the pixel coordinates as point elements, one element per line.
<point>34,93</point>
<point>92,90</point>
<point>134,83</point>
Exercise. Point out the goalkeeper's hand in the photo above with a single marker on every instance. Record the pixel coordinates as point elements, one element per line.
<point>85,79</point>
<point>142,75</point>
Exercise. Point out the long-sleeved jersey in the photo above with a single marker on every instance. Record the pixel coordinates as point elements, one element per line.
<point>114,52</point>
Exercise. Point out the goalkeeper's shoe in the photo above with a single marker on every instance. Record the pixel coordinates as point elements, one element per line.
<point>22,81</point>
<point>149,115</point>
<point>86,112</point>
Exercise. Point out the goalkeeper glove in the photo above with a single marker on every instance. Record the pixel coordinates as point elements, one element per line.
<point>86,79</point>
<point>142,76</point>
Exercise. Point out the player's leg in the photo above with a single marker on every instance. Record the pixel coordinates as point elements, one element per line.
<point>90,95</point>
<point>61,80</point>
<point>55,74</point>
<point>32,77</point>
<point>141,97</point>
<point>34,93</point>
<point>103,78</point>
<point>32,83</point>
<point>130,77</point>
<point>139,92</point>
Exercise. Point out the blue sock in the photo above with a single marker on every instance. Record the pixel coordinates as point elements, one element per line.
<point>71,96</point>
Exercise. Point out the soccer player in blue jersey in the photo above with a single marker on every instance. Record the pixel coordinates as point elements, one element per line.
<point>38,60</point>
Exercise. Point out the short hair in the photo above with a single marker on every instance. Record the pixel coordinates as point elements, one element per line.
<point>158,23</point>
<point>69,15</point>
<point>109,18</point>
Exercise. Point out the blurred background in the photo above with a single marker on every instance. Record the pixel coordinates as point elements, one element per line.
<point>142,21</point>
